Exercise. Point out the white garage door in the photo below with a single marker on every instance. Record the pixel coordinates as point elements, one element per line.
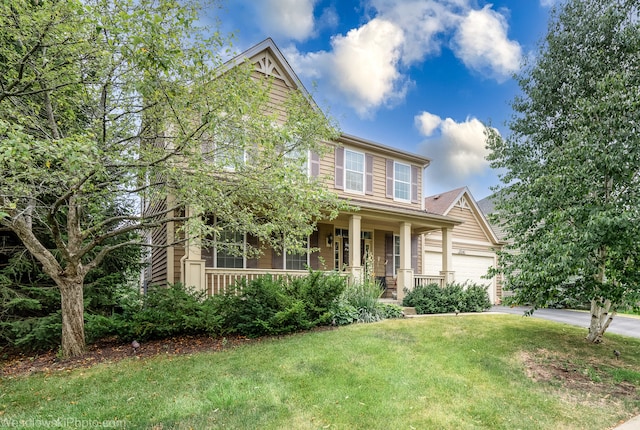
<point>469,268</point>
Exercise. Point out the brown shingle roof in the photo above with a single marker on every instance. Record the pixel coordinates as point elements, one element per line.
<point>441,203</point>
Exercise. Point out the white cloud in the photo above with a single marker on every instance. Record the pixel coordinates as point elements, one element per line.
<point>481,42</point>
<point>547,3</point>
<point>365,68</point>
<point>427,123</point>
<point>366,65</point>
<point>423,22</point>
<point>288,18</point>
<point>362,67</point>
<point>458,152</point>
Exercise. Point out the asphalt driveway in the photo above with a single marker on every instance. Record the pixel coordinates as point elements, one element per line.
<point>626,326</point>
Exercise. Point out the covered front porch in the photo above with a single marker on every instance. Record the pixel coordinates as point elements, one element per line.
<point>376,242</point>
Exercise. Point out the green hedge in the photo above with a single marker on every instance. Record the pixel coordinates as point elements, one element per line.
<point>431,299</point>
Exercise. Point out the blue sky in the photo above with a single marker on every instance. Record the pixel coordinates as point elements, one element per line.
<point>420,75</point>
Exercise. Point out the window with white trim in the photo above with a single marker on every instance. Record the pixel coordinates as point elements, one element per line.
<point>297,261</point>
<point>401,181</point>
<point>298,158</point>
<point>354,171</point>
<point>229,249</point>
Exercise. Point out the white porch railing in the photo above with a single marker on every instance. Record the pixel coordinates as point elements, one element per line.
<point>419,280</point>
<point>219,280</point>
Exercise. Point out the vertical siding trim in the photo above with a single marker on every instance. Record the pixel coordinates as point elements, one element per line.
<point>368,174</point>
<point>339,168</point>
<point>389,178</point>
<point>414,184</point>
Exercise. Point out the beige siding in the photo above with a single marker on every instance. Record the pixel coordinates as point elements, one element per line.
<point>159,258</point>
<point>470,229</point>
<point>326,252</point>
<point>178,253</point>
<point>327,171</point>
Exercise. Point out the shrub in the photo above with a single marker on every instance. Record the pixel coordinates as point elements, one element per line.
<point>260,307</point>
<point>363,297</point>
<point>431,299</point>
<point>171,311</point>
<point>343,313</point>
<point>318,291</point>
<point>390,311</point>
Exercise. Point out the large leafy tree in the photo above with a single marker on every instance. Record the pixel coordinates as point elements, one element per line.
<point>104,101</point>
<point>570,199</point>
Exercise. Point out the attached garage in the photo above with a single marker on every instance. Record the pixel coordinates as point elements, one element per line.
<point>473,242</point>
<point>469,267</point>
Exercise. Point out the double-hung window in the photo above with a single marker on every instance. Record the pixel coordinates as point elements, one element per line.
<point>230,249</point>
<point>402,181</point>
<point>297,261</point>
<point>354,171</point>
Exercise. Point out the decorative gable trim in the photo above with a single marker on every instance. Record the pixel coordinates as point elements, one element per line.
<point>266,64</point>
<point>462,203</point>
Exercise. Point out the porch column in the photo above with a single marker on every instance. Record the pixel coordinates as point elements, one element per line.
<point>447,257</point>
<point>355,254</point>
<point>405,272</point>
<point>193,266</point>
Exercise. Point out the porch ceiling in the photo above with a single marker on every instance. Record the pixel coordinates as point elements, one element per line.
<point>421,221</point>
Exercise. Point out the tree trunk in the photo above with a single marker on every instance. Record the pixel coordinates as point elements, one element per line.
<point>600,320</point>
<point>73,342</point>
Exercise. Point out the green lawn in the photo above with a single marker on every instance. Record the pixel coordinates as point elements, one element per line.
<point>421,373</point>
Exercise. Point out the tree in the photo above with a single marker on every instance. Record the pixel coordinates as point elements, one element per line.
<point>570,194</point>
<point>107,103</point>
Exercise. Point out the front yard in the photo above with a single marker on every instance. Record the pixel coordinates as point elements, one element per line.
<point>475,371</point>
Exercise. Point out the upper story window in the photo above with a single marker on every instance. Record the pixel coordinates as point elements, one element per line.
<point>230,156</point>
<point>299,159</point>
<point>226,154</point>
<point>353,171</point>
<point>402,181</point>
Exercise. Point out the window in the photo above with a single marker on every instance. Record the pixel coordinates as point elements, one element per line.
<point>297,261</point>
<point>230,156</point>
<point>298,158</point>
<point>230,250</point>
<point>402,182</point>
<point>396,254</point>
<point>354,171</point>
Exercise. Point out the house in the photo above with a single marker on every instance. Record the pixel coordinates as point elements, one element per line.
<point>473,243</point>
<point>383,236</point>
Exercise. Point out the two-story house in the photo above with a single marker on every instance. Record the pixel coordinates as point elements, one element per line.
<point>385,232</point>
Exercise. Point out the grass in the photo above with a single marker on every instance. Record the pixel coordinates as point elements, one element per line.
<point>422,373</point>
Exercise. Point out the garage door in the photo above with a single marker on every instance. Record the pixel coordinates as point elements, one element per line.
<point>469,268</point>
